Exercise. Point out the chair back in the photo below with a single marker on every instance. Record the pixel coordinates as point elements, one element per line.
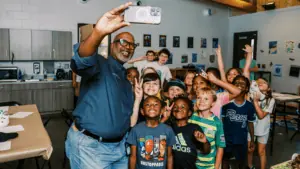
<point>11,103</point>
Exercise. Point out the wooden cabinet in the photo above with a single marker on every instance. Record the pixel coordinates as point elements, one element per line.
<point>5,90</point>
<point>22,96</point>
<point>63,96</point>
<point>62,45</point>
<point>41,46</point>
<point>20,44</point>
<point>35,45</point>
<point>4,44</point>
<point>49,97</point>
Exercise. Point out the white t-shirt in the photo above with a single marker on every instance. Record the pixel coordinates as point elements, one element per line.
<point>162,70</point>
<point>262,127</point>
<point>140,65</point>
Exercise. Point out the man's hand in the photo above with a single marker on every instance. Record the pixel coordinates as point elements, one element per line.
<point>112,21</point>
<point>200,136</point>
<point>248,49</point>
<point>138,89</point>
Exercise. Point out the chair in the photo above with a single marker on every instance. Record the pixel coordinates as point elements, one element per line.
<point>12,103</point>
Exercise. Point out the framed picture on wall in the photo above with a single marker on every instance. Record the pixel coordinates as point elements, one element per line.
<point>190,42</point>
<point>184,58</point>
<point>162,40</point>
<point>176,41</point>
<point>85,29</point>
<point>147,40</point>
<point>203,43</point>
<point>215,43</point>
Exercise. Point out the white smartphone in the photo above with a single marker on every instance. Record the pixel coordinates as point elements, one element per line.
<point>143,14</point>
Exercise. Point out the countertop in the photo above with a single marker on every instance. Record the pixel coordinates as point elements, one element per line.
<point>44,81</point>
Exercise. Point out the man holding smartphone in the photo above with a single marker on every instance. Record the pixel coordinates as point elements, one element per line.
<point>102,115</point>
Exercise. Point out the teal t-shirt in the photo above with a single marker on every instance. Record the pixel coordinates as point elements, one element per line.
<point>253,65</point>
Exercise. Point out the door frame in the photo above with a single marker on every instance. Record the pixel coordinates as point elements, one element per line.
<point>236,36</point>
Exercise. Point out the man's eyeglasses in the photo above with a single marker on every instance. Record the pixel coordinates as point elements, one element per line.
<point>125,43</point>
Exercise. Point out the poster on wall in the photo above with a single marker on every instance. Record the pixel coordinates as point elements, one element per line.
<point>184,58</point>
<point>176,41</point>
<point>170,60</point>
<point>203,43</point>
<point>273,47</point>
<point>289,46</point>
<point>162,40</point>
<point>277,70</point>
<point>190,42</point>
<point>194,57</point>
<point>147,40</point>
<point>215,43</point>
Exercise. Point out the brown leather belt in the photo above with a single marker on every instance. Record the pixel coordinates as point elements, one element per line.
<point>98,138</point>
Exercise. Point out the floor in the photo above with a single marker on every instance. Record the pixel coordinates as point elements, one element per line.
<point>57,128</point>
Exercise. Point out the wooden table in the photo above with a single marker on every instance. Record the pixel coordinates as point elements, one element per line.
<point>34,141</point>
<point>285,97</point>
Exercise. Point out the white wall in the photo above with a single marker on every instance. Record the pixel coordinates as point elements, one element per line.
<point>279,25</point>
<point>180,18</point>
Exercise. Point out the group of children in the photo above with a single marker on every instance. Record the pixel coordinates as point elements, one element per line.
<point>207,120</point>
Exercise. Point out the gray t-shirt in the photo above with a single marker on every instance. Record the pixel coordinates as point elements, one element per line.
<point>152,145</point>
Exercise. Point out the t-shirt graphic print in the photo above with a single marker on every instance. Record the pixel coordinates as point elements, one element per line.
<point>152,145</point>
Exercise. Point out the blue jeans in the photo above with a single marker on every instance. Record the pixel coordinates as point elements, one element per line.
<point>85,152</point>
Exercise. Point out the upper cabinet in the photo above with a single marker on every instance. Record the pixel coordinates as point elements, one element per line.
<point>4,44</point>
<point>41,45</point>
<point>20,44</point>
<point>62,45</point>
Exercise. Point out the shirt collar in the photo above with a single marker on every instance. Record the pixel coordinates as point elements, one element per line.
<point>240,105</point>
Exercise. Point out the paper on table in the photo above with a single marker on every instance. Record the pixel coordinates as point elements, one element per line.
<point>4,109</point>
<point>5,145</point>
<point>20,115</point>
<point>12,129</point>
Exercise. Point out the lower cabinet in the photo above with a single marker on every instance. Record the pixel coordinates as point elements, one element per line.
<point>49,97</point>
<point>5,92</point>
<point>43,99</point>
<point>22,96</point>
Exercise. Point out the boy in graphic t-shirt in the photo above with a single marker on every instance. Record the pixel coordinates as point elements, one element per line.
<point>151,141</point>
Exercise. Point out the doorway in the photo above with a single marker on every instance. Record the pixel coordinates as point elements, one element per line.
<point>240,40</point>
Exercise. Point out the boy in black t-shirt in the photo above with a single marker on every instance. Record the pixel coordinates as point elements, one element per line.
<point>189,137</point>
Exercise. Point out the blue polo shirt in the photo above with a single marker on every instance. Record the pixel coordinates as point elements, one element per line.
<point>106,98</point>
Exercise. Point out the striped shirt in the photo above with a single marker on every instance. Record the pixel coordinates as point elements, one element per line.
<point>213,130</point>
